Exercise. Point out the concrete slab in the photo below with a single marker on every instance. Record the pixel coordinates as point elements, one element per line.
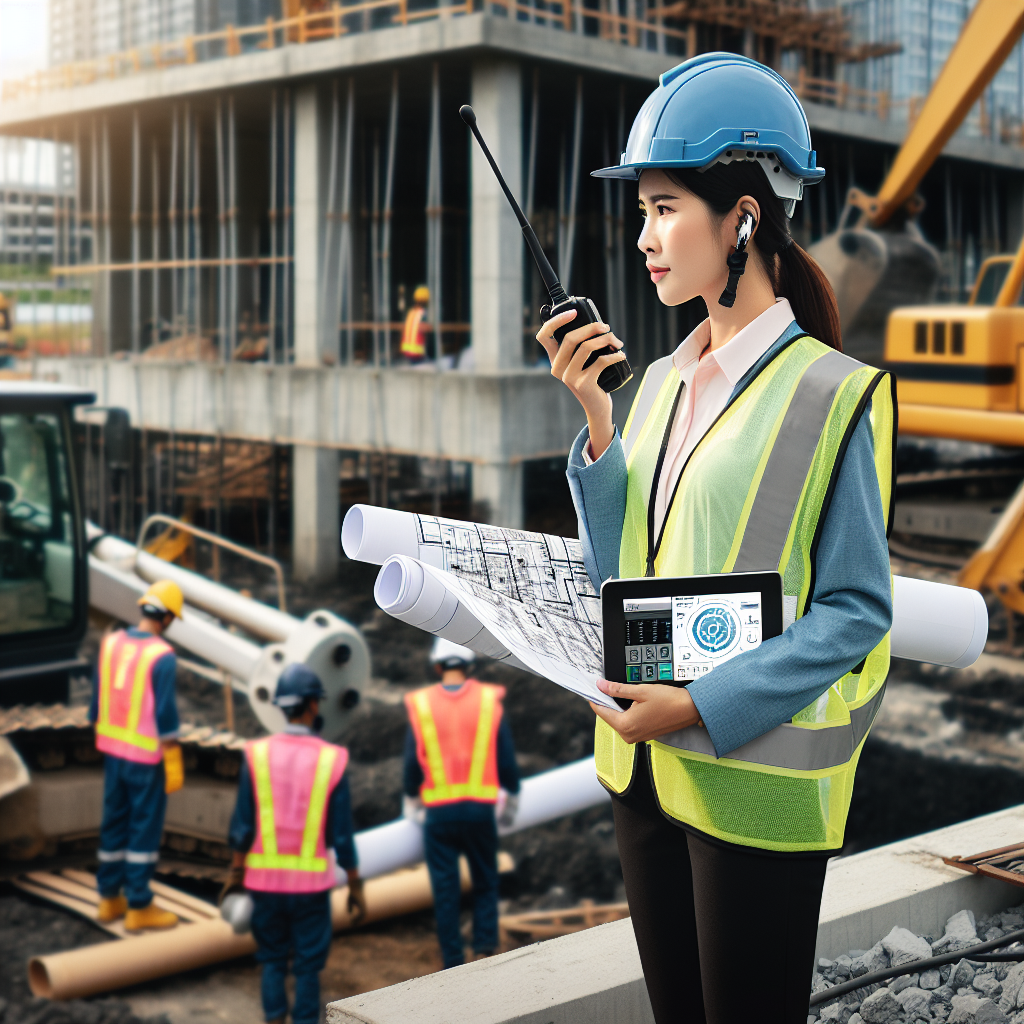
<point>381,46</point>
<point>499,417</point>
<point>480,31</point>
<point>595,977</point>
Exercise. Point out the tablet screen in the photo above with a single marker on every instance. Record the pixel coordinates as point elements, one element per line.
<point>677,639</point>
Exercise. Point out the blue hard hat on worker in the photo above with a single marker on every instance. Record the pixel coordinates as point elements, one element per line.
<point>717,108</point>
<point>296,684</point>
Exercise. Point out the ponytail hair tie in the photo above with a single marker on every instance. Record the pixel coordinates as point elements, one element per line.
<point>786,243</point>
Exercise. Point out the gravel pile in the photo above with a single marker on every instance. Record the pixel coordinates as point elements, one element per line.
<point>28,929</point>
<point>958,993</point>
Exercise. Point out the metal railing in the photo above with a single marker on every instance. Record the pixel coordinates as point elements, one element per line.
<point>217,541</point>
<point>648,30</point>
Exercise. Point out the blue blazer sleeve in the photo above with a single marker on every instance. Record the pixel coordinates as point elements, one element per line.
<point>850,612</point>
<point>599,494</point>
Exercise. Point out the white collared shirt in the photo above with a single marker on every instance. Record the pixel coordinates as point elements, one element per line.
<point>709,382</point>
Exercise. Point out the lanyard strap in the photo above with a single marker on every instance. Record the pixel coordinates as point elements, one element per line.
<point>652,550</point>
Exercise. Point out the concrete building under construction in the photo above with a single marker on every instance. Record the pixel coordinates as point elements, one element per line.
<point>264,197</point>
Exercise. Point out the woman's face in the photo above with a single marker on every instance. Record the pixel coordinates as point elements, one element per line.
<point>681,241</point>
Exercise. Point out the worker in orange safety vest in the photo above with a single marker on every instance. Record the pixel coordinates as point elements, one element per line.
<point>459,759</point>
<point>136,720</point>
<point>292,823</point>
<point>414,334</point>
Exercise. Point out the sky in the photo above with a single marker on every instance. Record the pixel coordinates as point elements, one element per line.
<point>22,37</point>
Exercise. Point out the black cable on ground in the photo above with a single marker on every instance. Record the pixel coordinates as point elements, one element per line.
<point>925,965</point>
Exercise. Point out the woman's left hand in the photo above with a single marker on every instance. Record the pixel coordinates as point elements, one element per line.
<point>657,709</point>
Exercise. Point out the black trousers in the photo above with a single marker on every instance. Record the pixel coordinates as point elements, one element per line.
<point>726,933</point>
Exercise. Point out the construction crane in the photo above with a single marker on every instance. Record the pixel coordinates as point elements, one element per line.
<point>878,259</point>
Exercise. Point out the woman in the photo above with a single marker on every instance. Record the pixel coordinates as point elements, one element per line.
<point>755,446</point>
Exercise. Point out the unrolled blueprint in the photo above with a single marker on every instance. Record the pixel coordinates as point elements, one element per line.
<point>522,598</point>
<point>535,568</point>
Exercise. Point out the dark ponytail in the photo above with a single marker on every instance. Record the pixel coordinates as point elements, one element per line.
<point>793,273</point>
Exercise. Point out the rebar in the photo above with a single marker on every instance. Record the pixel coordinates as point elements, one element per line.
<point>272,214</point>
<point>136,302</point>
<point>384,311</point>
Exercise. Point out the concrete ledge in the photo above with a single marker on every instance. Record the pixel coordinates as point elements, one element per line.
<point>495,418</point>
<point>590,977</point>
<point>359,49</point>
<point>594,977</point>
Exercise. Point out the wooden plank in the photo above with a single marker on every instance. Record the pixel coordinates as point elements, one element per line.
<point>201,910</point>
<point>84,909</point>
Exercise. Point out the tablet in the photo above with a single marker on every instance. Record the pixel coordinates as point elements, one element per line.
<point>675,629</point>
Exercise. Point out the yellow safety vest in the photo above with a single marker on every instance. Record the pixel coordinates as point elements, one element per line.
<point>752,496</point>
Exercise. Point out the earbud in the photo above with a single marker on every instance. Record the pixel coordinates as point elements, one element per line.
<point>737,259</point>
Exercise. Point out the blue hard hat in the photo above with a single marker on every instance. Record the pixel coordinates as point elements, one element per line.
<point>296,684</point>
<point>717,108</point>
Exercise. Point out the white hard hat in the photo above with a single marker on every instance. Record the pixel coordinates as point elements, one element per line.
<point>449,655</point>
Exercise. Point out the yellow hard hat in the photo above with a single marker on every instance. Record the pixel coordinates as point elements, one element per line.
<point>421,296</point>
<point>165,595</point>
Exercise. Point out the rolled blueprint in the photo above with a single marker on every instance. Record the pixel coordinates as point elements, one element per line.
<point>404,590</point>
<point>932,622</point>
<point>937,623</point>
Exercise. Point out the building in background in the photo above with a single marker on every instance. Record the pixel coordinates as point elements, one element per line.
<point>85,29</point>
<point>40,227</point>
<point>927,31</point>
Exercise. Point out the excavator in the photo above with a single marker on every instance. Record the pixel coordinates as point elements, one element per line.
<point>959,368</point>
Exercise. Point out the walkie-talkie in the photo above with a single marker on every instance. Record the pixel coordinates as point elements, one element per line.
<point>612,377</point>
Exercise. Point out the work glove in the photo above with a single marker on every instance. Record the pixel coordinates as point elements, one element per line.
<point>356,899</point>
<point>413,810</point>
<point>174,768</point>
<point>507,809</point>
<point>234,882</point>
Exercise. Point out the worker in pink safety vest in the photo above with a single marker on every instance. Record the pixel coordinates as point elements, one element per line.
<point>136,720</point>
<point>292,823</point>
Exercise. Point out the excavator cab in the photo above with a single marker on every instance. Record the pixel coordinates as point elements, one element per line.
<point>990,281</point>
<point>43,568</point>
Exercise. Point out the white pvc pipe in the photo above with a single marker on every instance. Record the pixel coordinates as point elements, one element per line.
<point>253,616</point>
<point>117,593</point>
<point>565,790</point>
<point>937,623</point>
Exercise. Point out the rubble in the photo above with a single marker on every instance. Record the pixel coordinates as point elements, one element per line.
<point>959,993</point>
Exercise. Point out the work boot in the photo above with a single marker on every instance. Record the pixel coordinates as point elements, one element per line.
<point>111,908</point>
<point>149,917</point>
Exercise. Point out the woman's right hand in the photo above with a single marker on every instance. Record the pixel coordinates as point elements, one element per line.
<point>567,362</point>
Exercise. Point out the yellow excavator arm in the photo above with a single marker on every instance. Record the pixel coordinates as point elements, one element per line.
<point>988,36</point>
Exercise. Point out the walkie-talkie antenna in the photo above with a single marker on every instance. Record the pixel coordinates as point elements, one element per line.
<point>547,272</point>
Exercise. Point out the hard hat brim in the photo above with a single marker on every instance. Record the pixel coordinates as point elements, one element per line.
<point>155,602</point>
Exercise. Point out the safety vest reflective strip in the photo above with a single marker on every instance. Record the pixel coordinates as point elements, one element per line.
<point>129,732</point>
<point>306,859</point>
<point>474,787</point>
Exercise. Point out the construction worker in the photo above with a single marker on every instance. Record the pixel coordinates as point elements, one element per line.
<point>414,334</point>
<point>755,446</point>
<point>136,719</point>
<point>458,753</point>
<point>293,811</point>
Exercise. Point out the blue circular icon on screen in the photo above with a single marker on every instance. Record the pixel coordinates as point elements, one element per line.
<point>715,630</point>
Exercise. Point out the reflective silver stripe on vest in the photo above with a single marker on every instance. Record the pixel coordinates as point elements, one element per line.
<point>789,462</point>
<point>790,746</point>
<point>654,378</point>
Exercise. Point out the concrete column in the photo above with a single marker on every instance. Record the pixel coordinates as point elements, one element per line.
<point>316,524</point>
<point>496,239</point>
<point>315,519</point>
<point>311,144</point>
<point>498,493</point>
